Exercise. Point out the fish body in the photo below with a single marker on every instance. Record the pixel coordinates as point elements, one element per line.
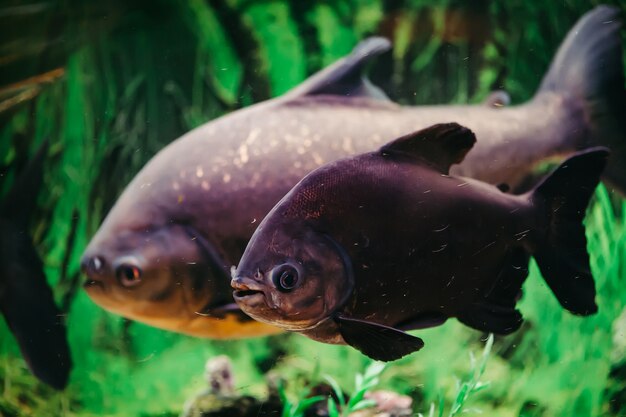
<point>185,219</point>
<point>370,245</point>
<point>26,300</point>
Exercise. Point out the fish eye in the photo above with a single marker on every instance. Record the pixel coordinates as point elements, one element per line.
<point>128,275</point>
<point>285,277</point>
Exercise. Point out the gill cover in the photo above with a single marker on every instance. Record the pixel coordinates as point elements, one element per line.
<point>327,280</point>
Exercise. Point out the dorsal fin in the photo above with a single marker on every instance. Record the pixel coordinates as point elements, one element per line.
<point>498,98</point>
<point>346,77</point>
<point>440,145</point>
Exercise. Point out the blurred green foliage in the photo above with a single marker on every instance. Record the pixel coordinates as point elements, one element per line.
<point>139,74</point>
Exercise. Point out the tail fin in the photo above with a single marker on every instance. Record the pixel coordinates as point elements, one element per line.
<point>26,300</point>
<point>562,252</point>
<point>588,67</point>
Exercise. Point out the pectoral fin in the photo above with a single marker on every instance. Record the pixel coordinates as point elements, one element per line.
<point>377,341</point>
<point>221,311</point>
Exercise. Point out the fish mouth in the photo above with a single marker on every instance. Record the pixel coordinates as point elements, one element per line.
<point>249,300</point>
<point>245,289</point>
<point>245,293</point>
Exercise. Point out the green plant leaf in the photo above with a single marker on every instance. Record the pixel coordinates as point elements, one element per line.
<point>336,388</point>
<point>374,370</point>
<point>332,408</point>
<point>480,386</point>
<point>356,397</point>
<point>362,404</point>
<point>442,405</point>
<point>304,404</point>
<point>358,380</point>
<point>460,399</point>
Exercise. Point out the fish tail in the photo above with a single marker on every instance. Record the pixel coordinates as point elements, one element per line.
<point>561,250</point>
<point>26,300</point>
<point>34,319</point>
<point>588,71</point>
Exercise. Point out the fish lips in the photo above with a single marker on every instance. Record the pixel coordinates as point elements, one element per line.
<point>247,292</point>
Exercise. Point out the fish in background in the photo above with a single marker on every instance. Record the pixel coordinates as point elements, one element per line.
<point>26,300</point>
<point>366,247</point>
<point>164,252</point>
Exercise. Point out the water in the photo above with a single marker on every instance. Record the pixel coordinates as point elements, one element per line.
<point>121,81</point>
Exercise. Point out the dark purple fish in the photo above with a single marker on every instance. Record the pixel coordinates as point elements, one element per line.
<point>366,247</point>
<point>26,300</point>
<point>163,254</point>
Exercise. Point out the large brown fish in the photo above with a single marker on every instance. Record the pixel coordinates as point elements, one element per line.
<point>387,240</point>
<point>164,252</point>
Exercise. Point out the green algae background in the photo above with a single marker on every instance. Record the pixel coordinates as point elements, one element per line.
<point>136,75</point>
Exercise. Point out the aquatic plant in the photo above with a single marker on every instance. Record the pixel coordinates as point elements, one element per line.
<point>301,398</point>
<point>342,405</point>
<point>300,405</point>
<point>466,388</point>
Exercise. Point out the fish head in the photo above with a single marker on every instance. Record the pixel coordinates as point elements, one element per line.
<point>292,276</point>
<point>151,274</point>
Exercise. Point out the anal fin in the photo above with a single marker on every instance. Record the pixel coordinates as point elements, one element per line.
<point>496,311</point>
<point>377,341</point>
<point>422,321</point>
<point>492,318</point>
